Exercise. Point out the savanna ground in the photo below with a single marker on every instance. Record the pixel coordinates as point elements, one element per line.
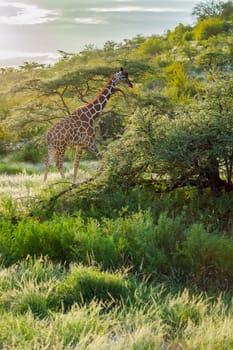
<point>124,270</point>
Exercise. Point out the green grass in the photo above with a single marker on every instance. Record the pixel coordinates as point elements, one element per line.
<point>43,305</point>
<point>124,270</point>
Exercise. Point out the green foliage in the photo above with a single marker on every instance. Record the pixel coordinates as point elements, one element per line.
<point>213,8</point>
<point>179,34</point>
<point>208,9</point>
<point>153,45</point>
<point>210,27</point>
<point>181,87</point>
<point>207,253</point>
<point>214,60</point>
<point>4,139</point>
<point>54,239</point>
<point>136,241</point>
<point>32,151</point>
<point>227,9</point>
<point>10,169</point>
<point>187,149</point>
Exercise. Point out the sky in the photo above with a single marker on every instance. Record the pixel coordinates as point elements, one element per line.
<point>34,30</point>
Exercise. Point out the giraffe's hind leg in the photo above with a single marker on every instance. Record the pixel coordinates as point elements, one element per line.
<point>78,154</point>
<point>49,159</point>
<point>59,162</point>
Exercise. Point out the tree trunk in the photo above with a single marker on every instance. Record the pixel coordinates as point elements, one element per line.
<point>216,184</point>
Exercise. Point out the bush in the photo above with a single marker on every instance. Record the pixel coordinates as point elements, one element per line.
<point>170,245</point>
<point>10,169</point>
<point>186,150</point>
<point>209,27</point>
<point>208,256</point>
<point>54,238</point>
<point>32,152</point>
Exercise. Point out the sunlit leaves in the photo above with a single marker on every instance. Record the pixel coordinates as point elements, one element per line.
<point>210,27</point>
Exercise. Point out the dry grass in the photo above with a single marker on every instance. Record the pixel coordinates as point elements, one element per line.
<point>17,192</point>
<point>24,185</point>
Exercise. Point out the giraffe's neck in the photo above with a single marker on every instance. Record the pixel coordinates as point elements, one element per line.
<point>98,103</point>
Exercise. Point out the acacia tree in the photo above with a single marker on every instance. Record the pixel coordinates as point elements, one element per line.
<point>207,9</point>
<point>180,86</point>
<point>210,27</point>
<point>192,147</point>
<point>227,9</point>
<point>213,8</point>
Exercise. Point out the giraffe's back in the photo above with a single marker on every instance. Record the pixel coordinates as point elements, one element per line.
<point>73,130</point>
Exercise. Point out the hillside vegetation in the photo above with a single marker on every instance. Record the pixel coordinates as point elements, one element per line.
<point>138,254</point>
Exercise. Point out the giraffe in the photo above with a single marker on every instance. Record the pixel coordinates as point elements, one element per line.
<point>78,128</point>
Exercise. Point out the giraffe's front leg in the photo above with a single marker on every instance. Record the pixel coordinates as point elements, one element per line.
<point>92,148</point>
<point>99,156</point>
<point>78,153</point>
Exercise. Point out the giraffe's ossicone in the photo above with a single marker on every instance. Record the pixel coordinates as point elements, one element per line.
<point>78,128</point>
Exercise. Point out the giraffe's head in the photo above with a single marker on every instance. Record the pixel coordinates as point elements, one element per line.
<point>122,77</point>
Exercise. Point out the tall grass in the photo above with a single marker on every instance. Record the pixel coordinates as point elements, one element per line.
<point>35,315</point>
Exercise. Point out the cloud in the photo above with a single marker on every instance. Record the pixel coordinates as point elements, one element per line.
<point>141,9</point>
<point>8,54</point>
<point>27,14</point>
<point>90,20</point>
<point>14,58</point>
